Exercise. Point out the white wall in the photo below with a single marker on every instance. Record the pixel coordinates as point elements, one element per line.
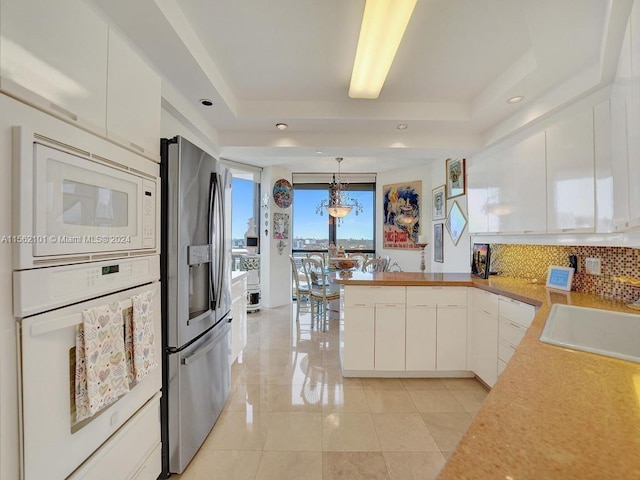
<point>275,269</point>
<point>431,175</point>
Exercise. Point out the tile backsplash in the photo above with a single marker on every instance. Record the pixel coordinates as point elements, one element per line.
<point>532,261</point>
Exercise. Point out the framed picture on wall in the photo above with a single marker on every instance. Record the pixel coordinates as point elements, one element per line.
<point>456,221</point>
<point>456,183</point>
<point>439,204</point>
<point>438,242</point>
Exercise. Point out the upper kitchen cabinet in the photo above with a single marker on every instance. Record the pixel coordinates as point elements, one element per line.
<point>570,174</point>
<point>53,56</point>
<point>133,100</point>
<point>633,118</point>
<point>506,188</point>
<point>620,101</point>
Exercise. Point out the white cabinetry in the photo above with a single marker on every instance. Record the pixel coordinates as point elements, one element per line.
<point>620,98</point>
<point>483,316</point>
<point>133,100</point>
<point>570,174</point>
<point>420,347</point>
<point>450,304</point>
<point>506,188</point>
<point>239,315</point>
<point>633,119</point>
<point>389,348</point>
<point>53,55</point>
<point>515,317</point>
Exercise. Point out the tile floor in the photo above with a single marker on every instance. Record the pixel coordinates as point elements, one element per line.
<point>292,416</point>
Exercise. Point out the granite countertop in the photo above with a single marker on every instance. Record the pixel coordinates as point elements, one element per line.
<point>554,413</point>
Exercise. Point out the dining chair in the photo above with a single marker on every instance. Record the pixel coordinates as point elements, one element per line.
<point>362,257</point>
<point>300,286</point>
<point>387,261</point>
<point>374,265</point>
<point>321,292</point>
<point>318,257</point>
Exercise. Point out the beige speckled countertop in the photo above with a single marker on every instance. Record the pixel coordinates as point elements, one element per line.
<point>554,413</point>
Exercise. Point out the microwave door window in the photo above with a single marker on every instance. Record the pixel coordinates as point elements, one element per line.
<point>93,206</point>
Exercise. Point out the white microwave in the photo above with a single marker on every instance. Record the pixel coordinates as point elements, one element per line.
<point>72,205</point>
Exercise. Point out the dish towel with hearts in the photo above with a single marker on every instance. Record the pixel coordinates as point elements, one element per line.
<point>101,371</point>
<point>144,348</point>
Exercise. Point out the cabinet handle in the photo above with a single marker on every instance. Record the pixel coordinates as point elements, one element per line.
<point>64,112</point>
<point>518,326</point>
<point>137,147</point>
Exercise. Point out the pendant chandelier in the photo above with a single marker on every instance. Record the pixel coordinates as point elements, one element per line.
<point>339,203</point>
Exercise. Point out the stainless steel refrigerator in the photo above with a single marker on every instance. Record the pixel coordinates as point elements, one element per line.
<point>196,270</point>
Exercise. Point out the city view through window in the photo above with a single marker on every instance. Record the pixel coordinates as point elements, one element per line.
<point>309,230</point>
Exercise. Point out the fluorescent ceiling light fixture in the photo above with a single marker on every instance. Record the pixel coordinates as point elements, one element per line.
<point>383,26</point>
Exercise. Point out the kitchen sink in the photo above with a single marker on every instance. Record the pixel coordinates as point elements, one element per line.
<point>613,334</point>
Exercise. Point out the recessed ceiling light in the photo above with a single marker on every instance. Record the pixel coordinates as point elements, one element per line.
<point>401,126</point>
<point>516,99</point>
<point>281,126</point>
<point>318,152</point>
<point>206,102</point>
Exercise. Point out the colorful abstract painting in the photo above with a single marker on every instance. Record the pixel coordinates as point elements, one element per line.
<point>401,220</point>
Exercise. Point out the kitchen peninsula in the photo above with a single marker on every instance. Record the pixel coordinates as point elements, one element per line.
<point>554,412</point>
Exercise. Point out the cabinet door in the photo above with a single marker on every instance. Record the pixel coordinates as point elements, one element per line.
<point>451,339</point>
<point>477,173</point>
<point>133,100</point>
<point>570,174</point>
<point>603,169</point>
<point>420,351</point>
<point>484,346</point>
<point>53,54</point>
<point>528,182</point>
<point>358,344</point>
<point>620,98</point>
<point>390,337</point>
<point>633,119</point>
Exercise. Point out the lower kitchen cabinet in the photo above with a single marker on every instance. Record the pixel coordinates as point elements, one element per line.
<point>451,338</point>
<point>239,315</point>
<point>420,347</point>
<point>358,338</point>
<point>483,318</point>
<point>389,337</point>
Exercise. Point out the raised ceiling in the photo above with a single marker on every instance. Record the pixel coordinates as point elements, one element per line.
<point>264,62</point>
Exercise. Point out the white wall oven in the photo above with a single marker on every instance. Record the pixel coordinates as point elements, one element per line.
<point>86,296</point>
<point>76,205</point>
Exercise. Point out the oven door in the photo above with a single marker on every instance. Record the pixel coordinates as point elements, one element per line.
<point>82,206</point>
<point>54,444</point>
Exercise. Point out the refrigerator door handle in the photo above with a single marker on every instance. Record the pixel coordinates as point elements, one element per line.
<point>212,244</point>
<point>206,348</point>
<point>220,241</point>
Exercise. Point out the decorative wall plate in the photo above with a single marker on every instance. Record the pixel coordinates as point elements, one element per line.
<point>283,193</point>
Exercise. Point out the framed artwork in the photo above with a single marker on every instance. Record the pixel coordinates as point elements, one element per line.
<point>283,193</point>
<point>439,204</point>
<point>401,215</point>
<point>456,178</point>
<point>481,259</point>
<point>438,243</point>
<point>456,221</point>
<point>281,226</point>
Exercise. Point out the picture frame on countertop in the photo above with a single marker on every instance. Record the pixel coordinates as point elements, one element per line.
<point>481,260</point>
<point>456,177</point>
<point>439,202</point>
<point>438,242</point>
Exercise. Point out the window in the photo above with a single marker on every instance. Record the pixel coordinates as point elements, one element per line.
<point>314,232</point>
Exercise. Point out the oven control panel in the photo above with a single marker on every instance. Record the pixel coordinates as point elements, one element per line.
<point>42,289</point>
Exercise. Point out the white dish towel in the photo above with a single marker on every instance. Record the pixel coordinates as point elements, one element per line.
<point>101,371</point>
